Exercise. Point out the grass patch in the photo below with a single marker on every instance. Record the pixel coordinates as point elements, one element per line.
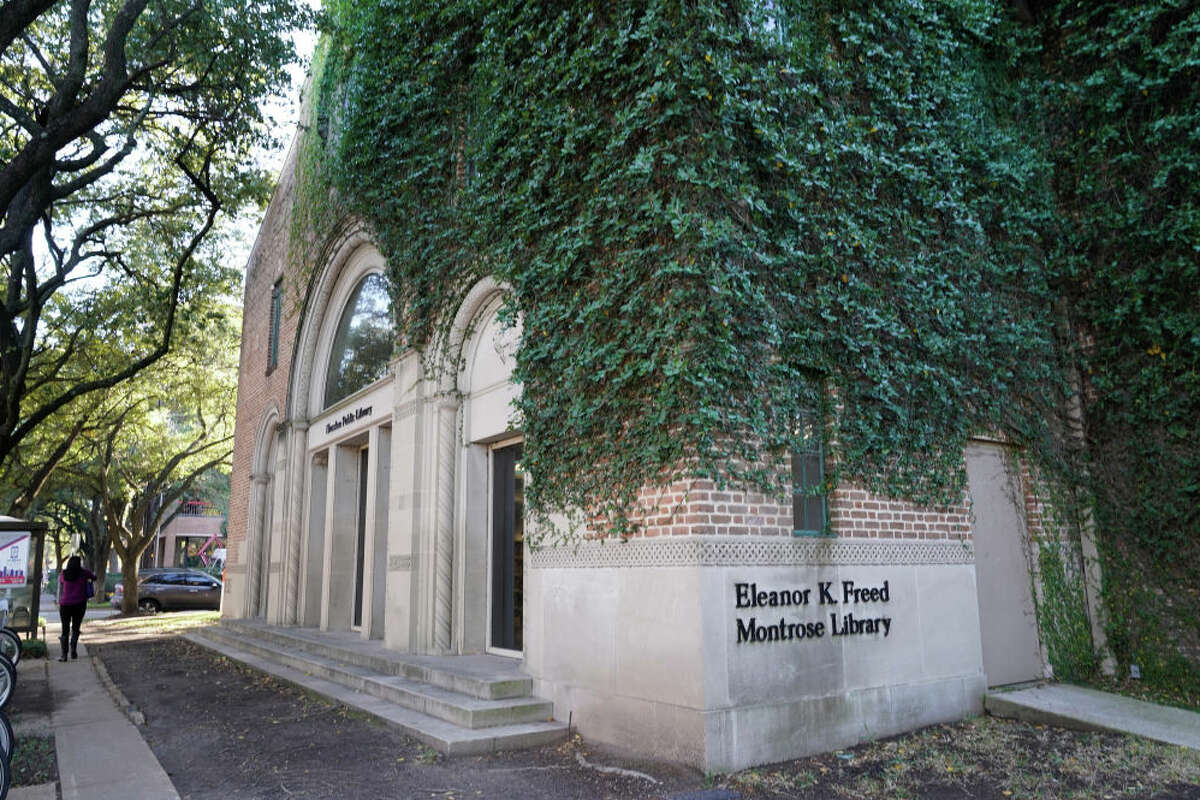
<point>33,648</point>
<point>1178,696</point>
<point>33,761</point>
<point>982,757</point>
<point>156,623</point>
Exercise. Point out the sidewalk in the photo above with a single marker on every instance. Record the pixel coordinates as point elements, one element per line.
<point>1090,709</point>
<point>100,752</point>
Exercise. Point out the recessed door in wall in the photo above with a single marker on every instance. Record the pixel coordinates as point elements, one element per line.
<point>506,564</point>
<point>1007,622</point>
<point>360,536</point>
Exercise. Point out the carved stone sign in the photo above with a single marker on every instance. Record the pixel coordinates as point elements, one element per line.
<point>859,613</point>
<point>348,418</point>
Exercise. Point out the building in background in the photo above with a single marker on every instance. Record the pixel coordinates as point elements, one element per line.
<point>190,538</point>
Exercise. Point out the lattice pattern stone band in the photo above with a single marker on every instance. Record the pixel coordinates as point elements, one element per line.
<point>740,551</point>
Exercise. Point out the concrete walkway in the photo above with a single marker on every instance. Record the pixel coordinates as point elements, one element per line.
<point>100,752</point>
<point>1090,709</point>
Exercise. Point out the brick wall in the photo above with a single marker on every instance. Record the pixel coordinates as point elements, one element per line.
<point>856,512</point>
<point>1039,513</point>
<point>258,390</point>
<point>699,507</point>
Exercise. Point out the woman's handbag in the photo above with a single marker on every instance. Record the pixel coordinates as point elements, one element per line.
<point>91,590</point>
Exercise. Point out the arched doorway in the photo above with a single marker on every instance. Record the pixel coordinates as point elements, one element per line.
<point>262,518</point>
<point>344,390</point>
<point>489,483</point>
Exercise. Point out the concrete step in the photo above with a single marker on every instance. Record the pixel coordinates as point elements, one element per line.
<point>442,735</point>
<point>483,676</point>
<point>445,704</point>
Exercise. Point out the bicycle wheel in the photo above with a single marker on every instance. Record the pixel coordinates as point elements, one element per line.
<point>10,645</point>
<point>7,740</point>
<point>5,777</point>
<point>8,682</point>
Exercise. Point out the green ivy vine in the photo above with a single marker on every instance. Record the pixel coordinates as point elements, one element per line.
<point>710,214</point>
<point>1118,88</point>
<point>716,215</point>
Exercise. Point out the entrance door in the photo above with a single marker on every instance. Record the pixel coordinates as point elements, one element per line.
<point>1008,624</point>
<point>360,538</point>
<point>507,550</point>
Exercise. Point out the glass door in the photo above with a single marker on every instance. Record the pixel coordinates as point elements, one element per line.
<point>360,538</point>
<point>507,549</point>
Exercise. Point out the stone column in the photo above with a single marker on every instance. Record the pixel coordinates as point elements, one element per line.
<point>256,544</point>
<point>446,416</point>
<point>402,631</point>
<point>297,445</point>
<point>425,434</point>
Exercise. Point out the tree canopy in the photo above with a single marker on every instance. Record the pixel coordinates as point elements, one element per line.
<point>126,130</point>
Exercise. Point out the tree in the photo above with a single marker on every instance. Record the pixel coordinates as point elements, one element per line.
<point>126,130</point>
<point>164,430</point>
<point>73,509</point>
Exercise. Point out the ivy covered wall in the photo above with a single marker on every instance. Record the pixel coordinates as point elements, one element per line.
<point>715,216</point>
<point>1118,92</point>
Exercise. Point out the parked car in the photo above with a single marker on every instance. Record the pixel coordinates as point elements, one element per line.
<point>170,589</point>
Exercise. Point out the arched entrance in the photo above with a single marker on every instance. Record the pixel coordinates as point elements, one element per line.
<point>262,518</point>
<point>489,483</point>
<point>344,391</point>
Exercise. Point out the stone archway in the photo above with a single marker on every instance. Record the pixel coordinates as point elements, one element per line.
<point>261,516</point>
<point>321,459</point>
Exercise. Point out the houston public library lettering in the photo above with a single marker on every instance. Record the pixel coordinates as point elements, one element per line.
<point>392,508</point>
<point>348,419</point>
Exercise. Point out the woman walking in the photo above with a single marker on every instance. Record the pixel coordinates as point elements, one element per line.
<point>73,585</point>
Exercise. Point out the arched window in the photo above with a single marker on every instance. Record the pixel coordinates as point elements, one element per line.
<point>362,345</point>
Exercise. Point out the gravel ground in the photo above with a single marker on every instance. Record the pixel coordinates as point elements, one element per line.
<point>224,730</point>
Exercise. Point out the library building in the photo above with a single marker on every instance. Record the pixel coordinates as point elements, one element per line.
<point>377,540</point>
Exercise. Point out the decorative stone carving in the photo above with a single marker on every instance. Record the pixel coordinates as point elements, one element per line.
<point>736,551</point>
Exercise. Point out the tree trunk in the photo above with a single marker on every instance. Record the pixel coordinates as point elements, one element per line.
<point>97,545</point>
<point>57,540</point>
<point>129,579</point>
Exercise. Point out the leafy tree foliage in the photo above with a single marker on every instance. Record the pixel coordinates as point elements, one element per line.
<point>75,511</point>
<point>126,129</point>
<point>165,430</point>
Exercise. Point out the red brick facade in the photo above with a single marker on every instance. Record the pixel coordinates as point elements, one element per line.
<point>699,508</point>
<point>259,390</point>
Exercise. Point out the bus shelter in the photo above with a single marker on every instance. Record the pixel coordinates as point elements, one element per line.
<point>22,543</point>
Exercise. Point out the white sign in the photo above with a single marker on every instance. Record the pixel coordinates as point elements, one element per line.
<point>14,559</point>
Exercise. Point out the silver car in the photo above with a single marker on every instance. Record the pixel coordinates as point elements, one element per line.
<point>174,589</point>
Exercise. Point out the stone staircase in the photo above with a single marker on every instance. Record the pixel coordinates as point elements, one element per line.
<point>458,705</point>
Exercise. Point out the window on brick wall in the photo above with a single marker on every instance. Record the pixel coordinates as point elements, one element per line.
<point>808,480</point>
<point>273,330</point>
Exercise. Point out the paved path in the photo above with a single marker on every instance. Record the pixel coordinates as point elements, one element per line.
<point>1090,709</point>
<point>101,754</point>
<point>48,608</point>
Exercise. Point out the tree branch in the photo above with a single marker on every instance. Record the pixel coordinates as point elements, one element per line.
<point>16,16</point>
<point>37,481</point>
<point>50,407</point>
